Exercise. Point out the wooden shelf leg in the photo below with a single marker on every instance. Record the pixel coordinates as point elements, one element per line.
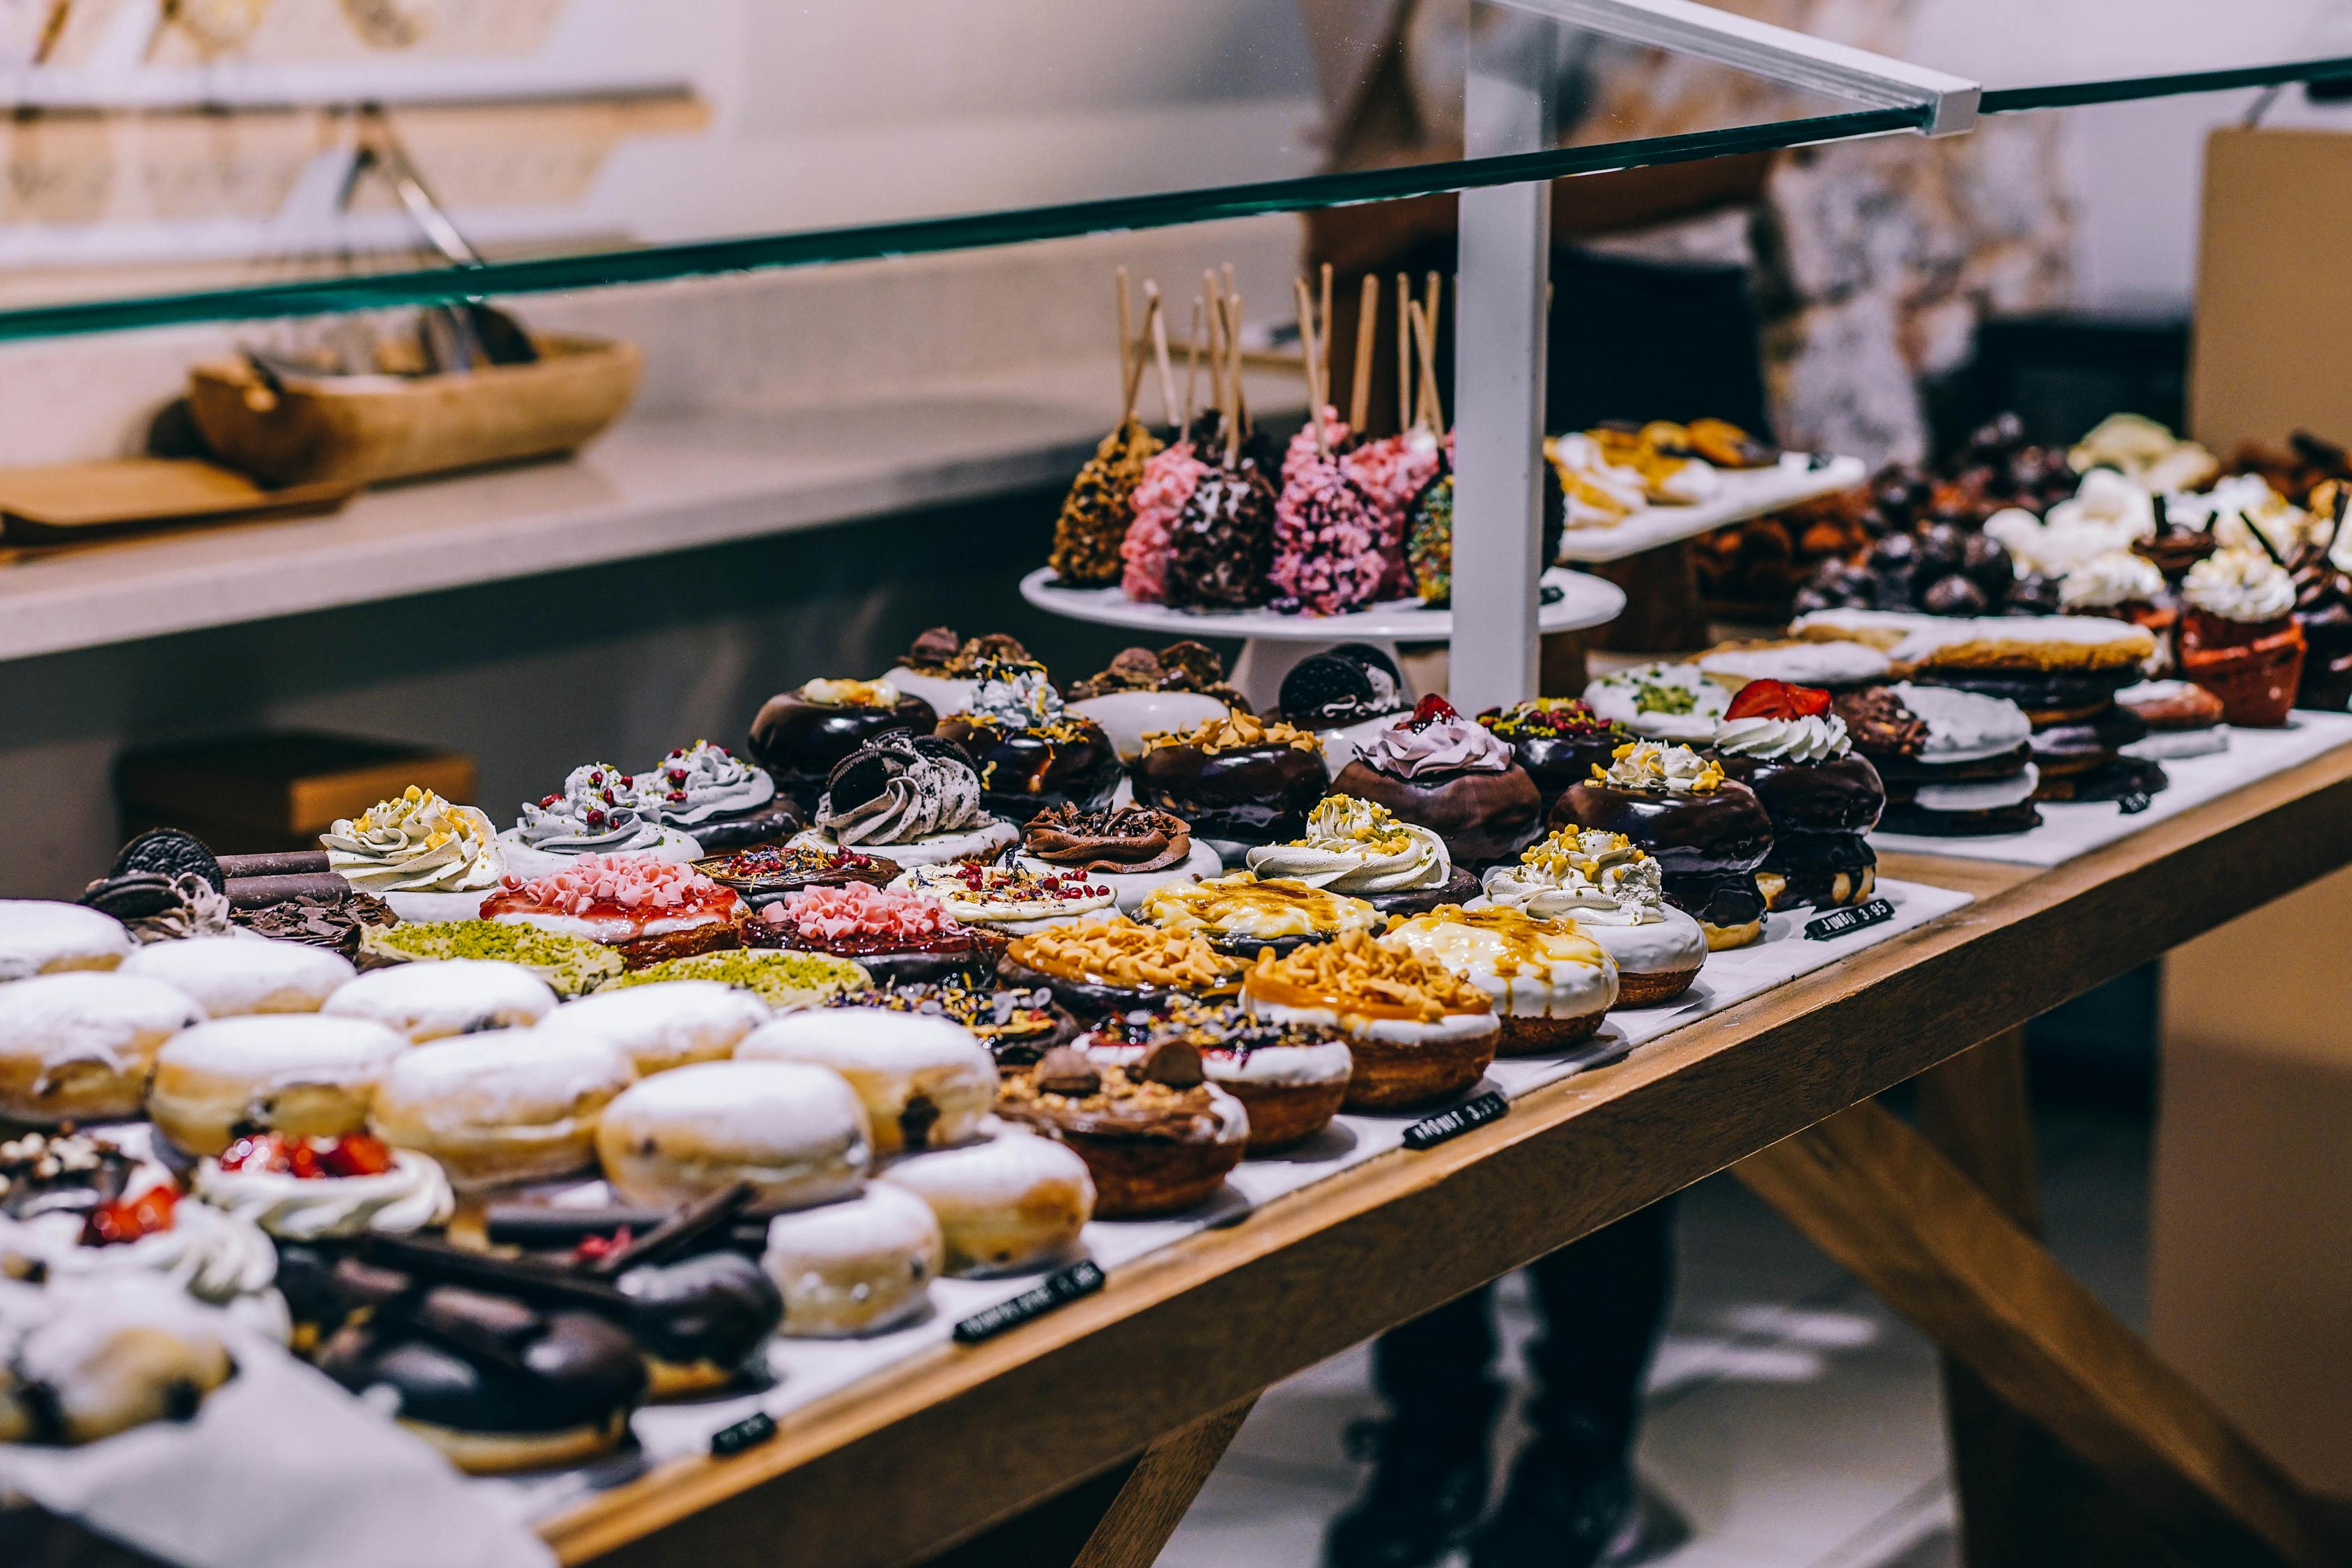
<point>1879,1198</point>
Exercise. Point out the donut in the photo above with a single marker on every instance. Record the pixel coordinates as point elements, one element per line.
<point>855,1266</point>
<point>454,996</point>
<point>666,1025</point>
<point>273,1073</point>
<point>79,1047</point>
<point>38,936</point>
<point>797,1133</point>
<point>96,1360</point>
<point>230,976</point>
<point>506,1106</point>
<point>1550,983</point>
<point>1016,1201</point>
<point>701,1320</point>
<point>925,1081</point>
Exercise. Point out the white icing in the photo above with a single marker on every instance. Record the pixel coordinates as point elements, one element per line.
<point>117,1020</point>
<point>1668,945</point>
<point>229,976</point>
<point>38,935</point>
<point>505,1078</point>
<point>1126,717</point>
<point>1357,848</point>
<point>665,1025</point>
<point>2243,585</point>
<point>1814,738</point>
<point>1805,664</point>
<point>986,842</point>
<point>1346,743</point>
<point>1598,877</point>
<point>1562,983</point>
<point>1629,697</point>
<point>216,1257</point>
<point>1449,1027</point>
<point>428,1000</point>
<point>697,783</point>
<point>1013,1201</point>
<point>92,1342</point>
<point>945,884</point>
<point>280,1051</point>
<point>2104,581</point>
<point>2145,451</point>
<point>2172,745</point>
<point>769,1112</point>
<point>2239,507</point>
<point>1986,795</point>
<point>1964,726</point>
<point>887,1056</point>
<point>1653,765</point>
<point>859,1265</point>
<point>414,1194</point>
<point>947,694</point>
<point>1324,1062</point>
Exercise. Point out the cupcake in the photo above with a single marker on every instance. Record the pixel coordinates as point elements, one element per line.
<point>1018,1024</point>
<point>718,800</point>
<point>1240,915</point>
<point>908,799</point>
<point>765,874</point>
<point>1615,894</point>
<point>1558,739</point>
<point>1549,983</point>
<point>1345,695</point>
<point>1119,967</point>
<point>1157,1136</point>
<point>1784,742</point>
<point>1011,899</point>
<point>1030,751</point>
<point>427,858</point>
<point>1237,781</point>
<point>645,907</point>
<point>1290,1077</point>
<point>1131,849</point>
<point>1363,850</point>
<point>1181,687</point>
<point>1420,1034</point>
<point>600,811</point>
<point>1708,833</point>
<point>895,934</point>
<point>1660,701</point>
<point>800,736</point>
<point>2238,636</point>
<point>1450,774</point>
<point>944,670</point>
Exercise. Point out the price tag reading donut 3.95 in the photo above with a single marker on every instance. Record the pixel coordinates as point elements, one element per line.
<point>1837,923</point>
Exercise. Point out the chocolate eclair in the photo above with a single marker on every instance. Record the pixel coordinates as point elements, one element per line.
<point>1017,1024</point>
<point>1237,781</point>
<point>800,736</point>
<point>1708,833</point>
<point>1558,739</point>
<point>1157,1136</point>
<point>1453,776</point>
<point>1784,742</point>
<point>1029,750</point>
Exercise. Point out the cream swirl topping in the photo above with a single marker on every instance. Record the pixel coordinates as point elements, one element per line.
<point>600,812</point>
<point>1814,738</point>
<point>2118,577</point>
<point>1656,766</point>
<point>1590,876</point>
<point>1014,696</point>
<point>702,781</point>
<point>214,1256</point>
<point>2240,586</point>
<point>922,793</point>
<point>415,842</point>
<point>413,1195</point>
<point>1356,846</point>
<point>1444,744</point>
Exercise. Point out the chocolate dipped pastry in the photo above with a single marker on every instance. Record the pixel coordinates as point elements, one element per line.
<point>1953,762</point>
<point>764,874</point>
<point>1029,750</point>
<point>1291,1078</point>
<point>1420,1034</point>
<point>913,800</point>
<point>1708,833</point>
<point>1550,983</point>
<point>1363,850</point>
<point>1119,967</point>
<point>1454,776</point>
<point>1157,1136</point>
<point>1238,781</point>
<point>1784,742</point>
<point>1221,545</point>
<point>1095,515</point>
<point>2183,719</point>
<point>1558,739</point>
<point>1181,687</point>
<point>800,736</point>
<point>1017,1024</point>
<point>944,670</point>
<point>722,803</point>
<point>1131,849</point>
<point>1345,695</point>
<point>894,935</point>
<point>1240,915</point>
<point>1614,894</point>
<point>336,921</point>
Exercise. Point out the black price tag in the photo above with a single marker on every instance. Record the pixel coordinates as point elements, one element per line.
<point>1455,1122</point>
<point>1060,1289</point>
<point>749,1432</point>
<point>2134,803</point>
<point>1837,923</point>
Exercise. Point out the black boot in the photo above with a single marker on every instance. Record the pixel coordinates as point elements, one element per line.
<point>1427,1488</point>
<point>1570,1504</point>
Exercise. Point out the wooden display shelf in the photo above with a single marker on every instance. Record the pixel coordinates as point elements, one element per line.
<point>1162,1363</point>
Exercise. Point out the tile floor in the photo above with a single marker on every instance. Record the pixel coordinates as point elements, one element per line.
<point>1793,1421</point>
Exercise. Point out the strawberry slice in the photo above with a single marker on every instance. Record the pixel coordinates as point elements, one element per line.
<point>1778,699</point>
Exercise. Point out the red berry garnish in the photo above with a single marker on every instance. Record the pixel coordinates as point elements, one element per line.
<point>678,776</point>
<point>596,1248</point>
<point>355,1154</point>
<point>595,817</point>
<point>261,1152</point>
<point>1778,699</point>
<point>596,778</point>
<point>548,800</point>
<point>128,1219</point>
<point>677,797</point>
<point>1428,712</point>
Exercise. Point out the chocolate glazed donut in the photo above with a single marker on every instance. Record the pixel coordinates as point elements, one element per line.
<point>1707,846</point>
<point>1819,812</point>
<point>1252,794</point>
<point>799,741</point>
<point>1483,817</point>
<point>1556,761</point>
<point>1022,771</point>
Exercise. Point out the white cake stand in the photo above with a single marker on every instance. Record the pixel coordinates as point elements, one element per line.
<point>1272,643</point>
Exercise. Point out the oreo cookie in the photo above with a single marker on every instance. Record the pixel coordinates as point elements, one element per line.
<point>1351,682</point>
<point>169,852</point>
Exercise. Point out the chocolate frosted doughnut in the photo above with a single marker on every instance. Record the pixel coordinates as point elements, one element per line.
<point>800,736</point>
<point>1236,780</point>
<point>1481,816</point>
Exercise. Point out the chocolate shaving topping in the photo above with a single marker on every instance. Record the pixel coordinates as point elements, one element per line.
<point>1879,723</point>
<point>1109,839</point>
<point>934,651</point>
<point>1066,1071</point>
<point>1173,1063</point>
<point>319,920</point>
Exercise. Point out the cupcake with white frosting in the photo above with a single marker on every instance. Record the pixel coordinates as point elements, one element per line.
<point>1360,849</point>
<point>718,799</point>
<point>1784,742</point>
<point>1615,894</point>
<point>428,859</point>
<point>2238,636</point>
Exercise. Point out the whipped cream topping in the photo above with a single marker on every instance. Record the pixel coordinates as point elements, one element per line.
<point>2104,581</point>
<point>1657,768</point>
<point>1446,743</point>
<point>2243,585</point>
<point>1815,738</point>
<point>1661,702</point>
<point>1356,847</point>
<point>925,794</point>
<point>415,842</point>
<point>700,782</point>
<point>2237,509</point>
<point>214,1256</point>
<point>410,1196</point>
<point>1593,877</point>
<point>2146,452</point>
<point>880,693</point>
<point>1014,695</point>
<point>600,812</point>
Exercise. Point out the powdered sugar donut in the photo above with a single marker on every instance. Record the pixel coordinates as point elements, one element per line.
<point>855,1266</point>
<point>278,1073</point>
<point>38,936</point>
<point>451,997</point>
<point>670,1024</point>
<point>78,1047</point>
<point>796,1133</point>
<point>925,1081</point>
<point>230,976</point>
<point>505,1107</point>
<point>1013,1203</point>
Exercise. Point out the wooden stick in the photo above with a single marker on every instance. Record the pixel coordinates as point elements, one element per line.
<point>1323,343</point>
<point>1140,364</point>
<point>1240,419</point>
<point>1433,408</point>
<point>1156,321</point>
<point>1191,370</point>
<point>1368,320</point>
<point>1314,377</point>
<point>1126,329</point>
<point>1406,417</point>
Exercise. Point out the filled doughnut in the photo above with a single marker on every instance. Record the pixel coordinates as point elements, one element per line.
<point>796,1133</point>
<point>81,1361</point>
<point>39,936</point>
<point>79,1047</point>
<point>925,1080</point>
<point>298,1073</point>
<point>457,996</point>
<point>1157,1136</point>
<point>855,1266</point>
<point>232,977</point>
<point>1550,983</point>
<point>503,1107</point>
<point>1014,1202</point>
<point>667,1025</point>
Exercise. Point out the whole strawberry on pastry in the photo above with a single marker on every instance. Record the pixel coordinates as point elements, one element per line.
<point>646,908</point>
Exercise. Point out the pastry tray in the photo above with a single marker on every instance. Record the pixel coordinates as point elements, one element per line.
<point>1746,493</point>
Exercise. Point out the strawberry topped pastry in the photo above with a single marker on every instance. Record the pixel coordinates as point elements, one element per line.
<point>1012,897</point>
<point>1784,742</point>
<point>303,1188</point>
<point>1452,775</point>
<point>645,908</point>
<point>897,934</point>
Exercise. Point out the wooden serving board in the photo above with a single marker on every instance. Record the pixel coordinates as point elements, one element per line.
<point>58,503</point>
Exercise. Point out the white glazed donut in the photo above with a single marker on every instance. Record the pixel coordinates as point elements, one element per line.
<point>796,1133</point>
<point>1550,982</point>
<point>1653,957</point>
<point>506,1106</point>
<point>1013,1202</point>
<point>667,1025</point>
<point>38,936</point>
<point>230,976</point>
<point>434,1000</point>
<point>275,1073</point>
<point>79,1362</point>
<point>79,1047</point>
<point>925,1081</point>
<point>854,1267</point>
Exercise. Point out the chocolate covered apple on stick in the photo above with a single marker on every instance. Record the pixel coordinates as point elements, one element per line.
<point>1095,515</point>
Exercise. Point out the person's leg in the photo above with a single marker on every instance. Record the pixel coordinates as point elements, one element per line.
<point>1429,1452</point>
<point>1603,1301</point>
